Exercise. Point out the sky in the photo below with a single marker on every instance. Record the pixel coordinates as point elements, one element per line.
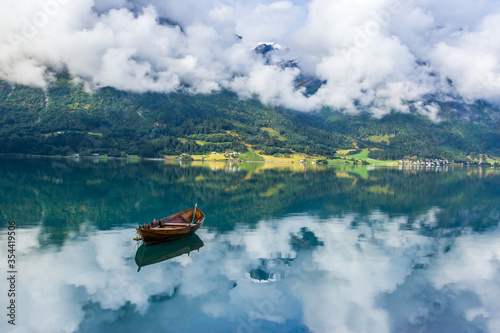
<point>376,55</point>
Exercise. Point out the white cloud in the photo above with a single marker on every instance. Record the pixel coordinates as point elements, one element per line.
<point>472,60</point>
<point>367,52</point>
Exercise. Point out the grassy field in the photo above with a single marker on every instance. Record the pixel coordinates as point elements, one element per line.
<point>251,156</point>
<point>274,133</point>
<point>363,156</point>
<point>211,157</point>
<point>338,160</point>
<point>380,138</point>
<point>491,159</point>
<point>258,156</point>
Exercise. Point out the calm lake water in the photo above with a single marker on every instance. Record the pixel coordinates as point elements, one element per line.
<point>287,248</point>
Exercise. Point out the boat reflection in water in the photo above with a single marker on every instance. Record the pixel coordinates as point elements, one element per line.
<point>148,255</point>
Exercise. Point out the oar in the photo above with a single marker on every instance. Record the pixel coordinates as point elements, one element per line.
<point>194,212</point>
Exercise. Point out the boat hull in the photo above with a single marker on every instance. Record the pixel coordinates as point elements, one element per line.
<point>171,228</point>
<point>149,255</point>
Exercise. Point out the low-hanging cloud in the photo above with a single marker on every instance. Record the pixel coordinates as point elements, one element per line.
<point>379,55</point>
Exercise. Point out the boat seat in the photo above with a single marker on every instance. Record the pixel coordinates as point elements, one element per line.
<point>183,225</point>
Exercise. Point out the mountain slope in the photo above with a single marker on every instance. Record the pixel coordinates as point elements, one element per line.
<point>66,119</point>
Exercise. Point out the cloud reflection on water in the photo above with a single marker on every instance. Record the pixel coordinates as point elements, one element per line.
<point>351,273</point>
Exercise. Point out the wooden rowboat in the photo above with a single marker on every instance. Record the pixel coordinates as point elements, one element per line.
<point>171,227</point>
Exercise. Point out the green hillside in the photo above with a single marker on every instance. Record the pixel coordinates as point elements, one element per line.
<point>66,119</point>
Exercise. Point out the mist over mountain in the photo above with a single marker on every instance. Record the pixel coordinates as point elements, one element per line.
<point>353,56</point>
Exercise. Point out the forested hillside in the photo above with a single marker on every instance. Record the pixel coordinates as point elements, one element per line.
<point>66,119</point>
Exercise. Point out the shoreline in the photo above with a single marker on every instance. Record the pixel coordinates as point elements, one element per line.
<point>381,163</point>
<point>180,160</point>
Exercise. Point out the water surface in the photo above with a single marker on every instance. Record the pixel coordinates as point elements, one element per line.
<point>283,248</point>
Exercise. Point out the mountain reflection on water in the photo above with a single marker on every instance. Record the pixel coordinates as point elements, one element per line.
<point>291,248</point>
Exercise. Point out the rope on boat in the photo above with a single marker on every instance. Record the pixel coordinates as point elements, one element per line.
<point>138,237</point>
